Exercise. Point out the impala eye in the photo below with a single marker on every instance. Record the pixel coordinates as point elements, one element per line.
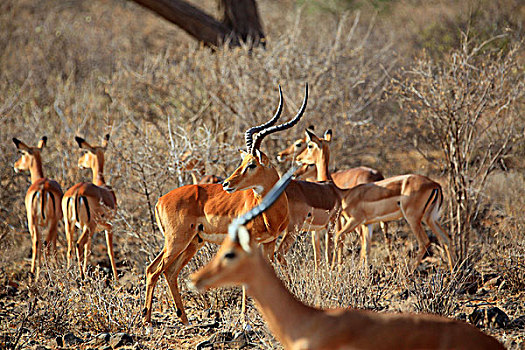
<point>229,255</point>
<point>298,145</point>
<point>310,146</point>
<point>252,166</point>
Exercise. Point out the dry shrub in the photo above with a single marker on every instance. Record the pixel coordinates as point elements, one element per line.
<point>469,108</point>
<point>507,194</point>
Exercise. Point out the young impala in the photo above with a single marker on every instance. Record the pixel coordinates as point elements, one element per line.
<point>297,326</point>
<point>413,197</point>
<point>189,215</point>
<point>42,200</point>
<point>90,206</point>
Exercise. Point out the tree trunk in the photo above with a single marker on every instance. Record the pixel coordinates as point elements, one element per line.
<point>240,23</point>
<point>242,17</point>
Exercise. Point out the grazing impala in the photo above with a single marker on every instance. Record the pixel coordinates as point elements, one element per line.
<point>320,201</point>
<point>413,197</point>
<point>42,200</point>
<point>89,206</point>
<point>189,215</point>
<point>297,326</point>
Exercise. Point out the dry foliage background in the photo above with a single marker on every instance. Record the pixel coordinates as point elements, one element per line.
<point>386,76</point>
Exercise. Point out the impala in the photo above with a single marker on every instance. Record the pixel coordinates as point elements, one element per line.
<point>313,206</point>
<point>343,178</point>
<point>192,214</point>
<point>42,200</point>
<point>89,206</point>
<point>297,326</point>
<point>413,197</point>
<point>320,201</point>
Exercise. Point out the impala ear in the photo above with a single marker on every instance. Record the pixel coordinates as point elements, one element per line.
<point>42,143</point>
<point>243,153</point>
<point>328,135</point>
<point>263,159</point>
<point>83,144</point>
<point>21,146</point>
<point>309,135</point>
<point>243,237</point>
<point>105,141</point>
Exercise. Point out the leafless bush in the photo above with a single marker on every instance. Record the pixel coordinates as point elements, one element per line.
<point>469,106</point>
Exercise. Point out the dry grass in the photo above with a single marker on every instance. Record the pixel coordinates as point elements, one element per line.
<point>88,68</point>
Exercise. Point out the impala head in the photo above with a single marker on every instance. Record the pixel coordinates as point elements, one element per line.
<point>250,174</point>
<point>30,155</point>
<point>306,171</point>
<point>236,259</point>
<point>253,172</point>
<point>315,147</point>
<point>94,157</point>
<point>290,152</point>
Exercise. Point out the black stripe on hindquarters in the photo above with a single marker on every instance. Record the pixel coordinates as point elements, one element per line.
<point>433,196</point>
<point>43,205</point>
<point>53,200</point>
<point>84,199</point>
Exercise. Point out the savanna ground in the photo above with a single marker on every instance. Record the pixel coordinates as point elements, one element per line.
<point>108,66</point>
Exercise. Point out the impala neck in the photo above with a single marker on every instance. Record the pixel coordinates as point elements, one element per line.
<point>323,174</point>
<point>270,178</point>
<point>283,312</point>
<point>98,173</point>
<point>36,168</point>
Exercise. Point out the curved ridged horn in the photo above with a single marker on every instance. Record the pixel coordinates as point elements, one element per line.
<point>260,136</point>
<point>248,135</point>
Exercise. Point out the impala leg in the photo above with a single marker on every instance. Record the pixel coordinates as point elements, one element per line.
<point>163,261</point>
<point>87,253</point>
<point>328,246</point>
<point>350,225</point>
<point>82,249</point>
<point>366,241</point>
<point>316,244</point>
<point>172,272</point>
<point>69,227</point>
<point>384,228</point>
<point>111,253</point>
<point>243,304</point>
<point>269,249</point>
<point>422,238</point>
<point>51,239</point>
<point>445,241</point>
<point>152,277</point>
<point>286,243</point>
<point>329,239</point>
<point>70,237</point>
<point>35,247</point>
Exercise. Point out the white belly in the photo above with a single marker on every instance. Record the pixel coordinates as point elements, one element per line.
<point>216,238</point>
